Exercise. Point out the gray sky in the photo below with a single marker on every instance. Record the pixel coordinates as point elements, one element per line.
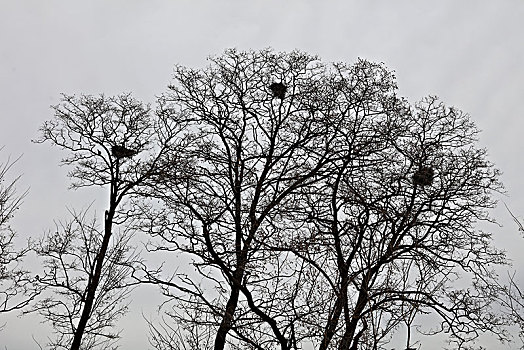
<point>470,53</point>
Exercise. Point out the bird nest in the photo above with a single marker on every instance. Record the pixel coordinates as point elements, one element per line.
<point>278,90</point>
<point>424,176</point>
<point>122,152</point>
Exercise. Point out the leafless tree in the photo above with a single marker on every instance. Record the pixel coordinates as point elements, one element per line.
<point>70,254</point>
<point>250,153</point>
<point>400,235</point>
<point>15,283</point>
<point>115,143</point>
<point>318,206</point>
<point>191,331</point>
<point>512,301</point>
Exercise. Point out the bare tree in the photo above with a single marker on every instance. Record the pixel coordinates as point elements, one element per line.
<point>400,231</point>
<point>318,206</point>
<point>15,283</point>
<point>113,143</point>
<point>70,254</point>
<point>191,331</point>
<point>250,153</point>
<point>512,302</point>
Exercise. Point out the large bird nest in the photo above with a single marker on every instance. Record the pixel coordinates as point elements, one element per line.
<point>278,90</point>
<point>122,152</point>
<point>424,176</point>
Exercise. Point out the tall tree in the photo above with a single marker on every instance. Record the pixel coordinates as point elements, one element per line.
<point>250,153</point>
<point>15,283</point>
<point>400,233</point>
<point>318,206</point>
<point>112,142</point>
<point>512,302</point>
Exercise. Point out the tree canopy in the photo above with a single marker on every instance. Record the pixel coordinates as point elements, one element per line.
<point>319,206</point>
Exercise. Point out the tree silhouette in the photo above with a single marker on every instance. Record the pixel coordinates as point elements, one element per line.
<point>512,301</point>
<point>322,209</point>
<point>15,283</point>
<point>113,143</point>
<point>302,202</point>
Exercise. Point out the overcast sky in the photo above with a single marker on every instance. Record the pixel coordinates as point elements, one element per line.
<point>469,53</point>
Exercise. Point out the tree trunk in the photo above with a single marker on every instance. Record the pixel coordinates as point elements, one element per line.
<point>93,282</point>
<point>227,319</point>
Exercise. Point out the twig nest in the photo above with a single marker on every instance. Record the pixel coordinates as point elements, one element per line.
<point>122,152</point>
<point>424,176</point>
<point>278,90</point>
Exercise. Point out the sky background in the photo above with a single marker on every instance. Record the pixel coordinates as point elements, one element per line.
<point>470,53</point>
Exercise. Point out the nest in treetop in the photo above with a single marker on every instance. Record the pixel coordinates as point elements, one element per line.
<point>278,90</point>
<point>424,176</point>
<point>122,152</point>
